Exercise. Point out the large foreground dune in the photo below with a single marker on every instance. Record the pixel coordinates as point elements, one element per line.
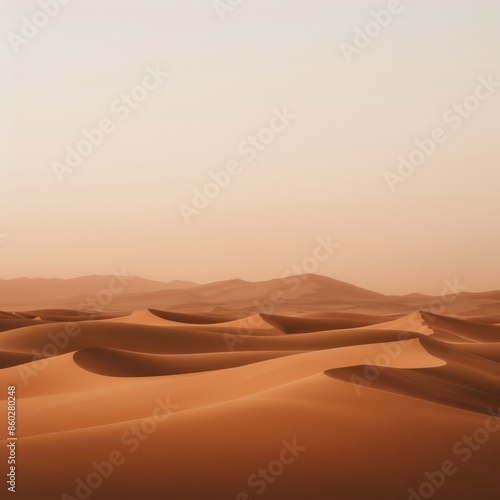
<point>224,391</point>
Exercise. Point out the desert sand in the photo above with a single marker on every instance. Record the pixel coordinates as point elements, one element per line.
<point>306,389</point>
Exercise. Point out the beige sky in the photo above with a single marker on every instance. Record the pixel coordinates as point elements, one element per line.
<point>322,174</point>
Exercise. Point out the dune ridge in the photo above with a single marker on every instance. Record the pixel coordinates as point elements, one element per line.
<point>374,391</point>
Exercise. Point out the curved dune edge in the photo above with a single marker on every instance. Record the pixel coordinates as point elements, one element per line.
<point>466,330</point>
<point>446,328</point>
<point>490,351</point>
<point>7,315</point>
<point>142,317</point>
<point>8,324</point>
<point>417,322</point>
<point>259,375</point>
<point>10,359</point>
<point>319,321</point>
<point>119,363</point>
<point>192,318</point>
<point>155,317</point>
<point>427,384</point>
<point>468,380</point>
<point>166,339</point>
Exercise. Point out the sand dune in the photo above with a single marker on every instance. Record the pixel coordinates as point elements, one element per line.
<point>368,392</point>
<point>12,324</point>
<point>203,321</point>
<point>115,363</point>
<point>450,385</point>
<point>25,294</point>
<point>313,322</point>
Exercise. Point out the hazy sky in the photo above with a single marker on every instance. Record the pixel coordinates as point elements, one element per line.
<point>322,174</point>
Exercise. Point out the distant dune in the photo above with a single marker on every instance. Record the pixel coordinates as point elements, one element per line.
<point>200,389</point>
<point>40,293</point>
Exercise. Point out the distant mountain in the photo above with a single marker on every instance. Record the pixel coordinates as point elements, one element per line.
<point>123,293</point>
<point>236,297</point>
<point>23,293</point>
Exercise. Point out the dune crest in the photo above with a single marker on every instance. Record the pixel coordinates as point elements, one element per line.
<point>373,390</point>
